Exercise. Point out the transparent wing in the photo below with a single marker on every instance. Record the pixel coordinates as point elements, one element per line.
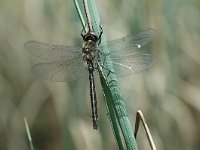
<point>130,42</point>
<point>51,52</point>
<point>128,65</point>
<point>60,71</point>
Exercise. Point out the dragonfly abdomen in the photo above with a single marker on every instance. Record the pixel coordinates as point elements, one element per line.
<point>93,94</point>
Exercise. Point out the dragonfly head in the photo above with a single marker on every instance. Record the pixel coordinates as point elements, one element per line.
<point>90,36</point>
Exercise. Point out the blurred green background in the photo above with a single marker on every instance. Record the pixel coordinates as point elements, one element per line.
<point>59,113</point>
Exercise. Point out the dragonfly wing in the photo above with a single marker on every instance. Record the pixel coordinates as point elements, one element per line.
<point>130,42</point>
<point>50,52</point>
<point>60,71</point>
<point>131,64</point>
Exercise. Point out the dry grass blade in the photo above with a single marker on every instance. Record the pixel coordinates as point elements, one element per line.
<point>140,117</point>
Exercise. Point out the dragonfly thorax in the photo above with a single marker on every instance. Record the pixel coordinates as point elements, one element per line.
<point>89,45</point>
<point>89,48</point>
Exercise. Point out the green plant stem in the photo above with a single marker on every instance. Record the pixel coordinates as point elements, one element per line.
<point>111,79</point>
<point>80,15</point>
<point>111,111</point>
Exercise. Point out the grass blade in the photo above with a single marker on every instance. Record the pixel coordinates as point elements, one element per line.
<point>28,134</point>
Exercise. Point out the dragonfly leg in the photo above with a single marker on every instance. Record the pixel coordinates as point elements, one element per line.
<point>102,63</point>
<point>83,32</point>
<point>100,34</point>
<point>107,70</point>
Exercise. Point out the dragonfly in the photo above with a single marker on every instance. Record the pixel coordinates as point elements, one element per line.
<point>69,63</point>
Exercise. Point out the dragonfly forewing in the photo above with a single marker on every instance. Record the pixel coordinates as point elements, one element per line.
<point>50,52</point>
<point>130,43</point>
